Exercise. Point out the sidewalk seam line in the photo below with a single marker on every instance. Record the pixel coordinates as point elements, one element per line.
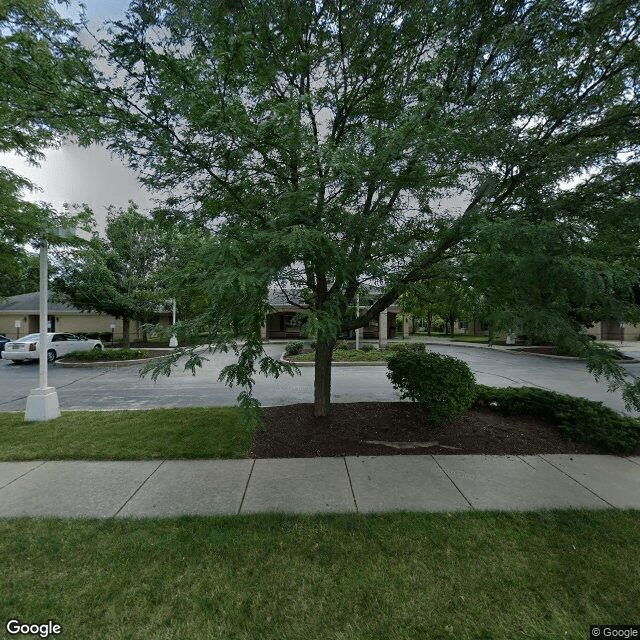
<point>633,461</point>
<point>577,482</point>
<point>128,500</point>
<point>24,474</point>
<point>523,460</point>
<point>246,486</point>
<point>353,495</point>
<point>453,483</point>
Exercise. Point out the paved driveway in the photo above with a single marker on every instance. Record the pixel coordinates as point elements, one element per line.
<point>104,387</point>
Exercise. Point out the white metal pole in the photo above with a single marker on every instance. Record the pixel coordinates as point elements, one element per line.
<point>357,314</point>
<point>173,341</point>
<point>43,314</point>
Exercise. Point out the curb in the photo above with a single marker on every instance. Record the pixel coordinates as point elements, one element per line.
<point>520,350</point>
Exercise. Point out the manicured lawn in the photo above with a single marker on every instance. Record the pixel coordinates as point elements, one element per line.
<point>478,339</point>
<point>480,576</point>
<point>127,435</point>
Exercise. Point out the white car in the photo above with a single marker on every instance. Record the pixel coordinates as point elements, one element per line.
<point>58,345</point>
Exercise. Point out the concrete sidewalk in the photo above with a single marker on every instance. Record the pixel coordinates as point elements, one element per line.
<point>104,489</point>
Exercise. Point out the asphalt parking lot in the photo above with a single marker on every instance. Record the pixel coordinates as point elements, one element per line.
<point>105,387</point>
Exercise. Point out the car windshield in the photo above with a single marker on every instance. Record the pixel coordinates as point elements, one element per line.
<point>32,337</point>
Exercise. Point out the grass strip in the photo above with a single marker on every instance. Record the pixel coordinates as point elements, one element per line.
<point>473,576</point>
<point>347,355</point>
<point>127,435</point>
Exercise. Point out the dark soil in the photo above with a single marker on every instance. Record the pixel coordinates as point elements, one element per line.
<point>292,432</point>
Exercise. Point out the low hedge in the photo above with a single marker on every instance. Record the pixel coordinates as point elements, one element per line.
<point>109,354</point>
<point>581,420</point>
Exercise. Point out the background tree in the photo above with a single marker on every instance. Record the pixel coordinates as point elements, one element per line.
<point>20,272</point>
<point>321,142</point>
<point>446,295</point>
<point>116,275</point>
<point>46,90</point>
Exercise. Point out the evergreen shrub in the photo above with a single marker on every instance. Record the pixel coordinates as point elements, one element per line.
<point>581,420</point>
<point>443,386</point>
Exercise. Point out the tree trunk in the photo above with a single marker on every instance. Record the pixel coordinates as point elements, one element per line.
<point>452,320</point>
<point>429,323</point>
<point>322,382</point>
<point>126,337</point>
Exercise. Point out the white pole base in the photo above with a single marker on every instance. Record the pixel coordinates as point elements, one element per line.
<point>42,404</point>
<point>173,341</point>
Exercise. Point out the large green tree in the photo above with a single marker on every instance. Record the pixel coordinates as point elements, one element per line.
<point>20,272</point>
<point>46,91</point>
<point>328,145</point>
<point>116,274</point>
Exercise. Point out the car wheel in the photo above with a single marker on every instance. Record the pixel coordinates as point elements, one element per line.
<point>97,348</point>
<point>51,355</point>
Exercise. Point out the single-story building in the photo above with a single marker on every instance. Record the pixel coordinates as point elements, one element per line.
<point>605,330</point>
<point>20,315</point>
<point>614,330</point>
<point>281,324</point>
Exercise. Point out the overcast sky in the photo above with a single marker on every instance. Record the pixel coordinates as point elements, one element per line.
<point>74,175</point>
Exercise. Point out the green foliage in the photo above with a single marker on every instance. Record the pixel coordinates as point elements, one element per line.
<point>46,91</point>
<point>116,275</point>
<point>294,347</point>
<point>109,354</point>
<point>367,347</point>
<point>323,158</point>
<point>418,347</point>
<point>19,271</point>
<point>581,420</point>
<point>441,385</point>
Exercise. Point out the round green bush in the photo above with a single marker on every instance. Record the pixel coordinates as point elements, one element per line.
<point>442,385</point>
<point>367,347</point>
<point>294,347</point>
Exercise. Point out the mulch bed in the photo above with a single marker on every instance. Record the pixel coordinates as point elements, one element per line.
<point>292,432</point>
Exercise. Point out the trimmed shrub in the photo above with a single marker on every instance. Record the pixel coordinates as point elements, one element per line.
<point>418,347</point>
<point>443,386</point>
<point>294,347</point>
<point>367,347</point>
<point>580,420</point>
<point>109,354</point>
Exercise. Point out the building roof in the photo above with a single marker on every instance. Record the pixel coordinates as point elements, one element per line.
<point>30,303</point>
<point>278,299</point>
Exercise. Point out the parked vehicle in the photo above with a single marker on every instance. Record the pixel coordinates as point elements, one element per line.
<point>58,345</point>
<point>3,341</point>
